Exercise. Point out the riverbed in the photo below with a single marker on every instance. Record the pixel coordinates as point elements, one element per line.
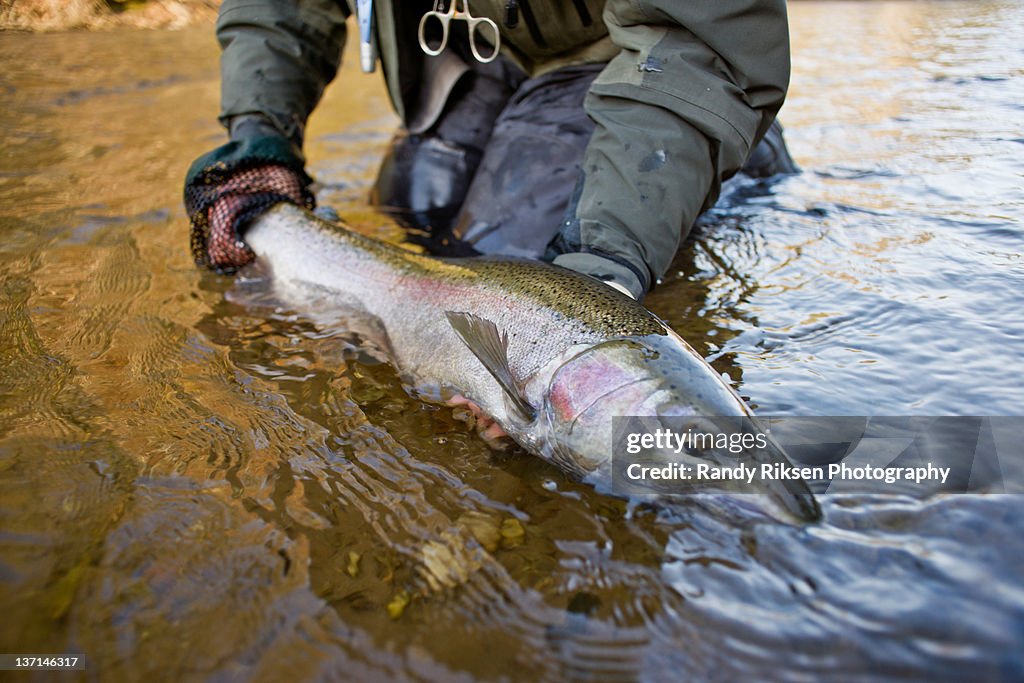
<point>193,489</point>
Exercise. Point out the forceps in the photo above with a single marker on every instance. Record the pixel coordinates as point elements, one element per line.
<point>445,18</point>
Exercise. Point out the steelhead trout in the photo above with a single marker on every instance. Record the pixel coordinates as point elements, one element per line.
<point>550,354</point>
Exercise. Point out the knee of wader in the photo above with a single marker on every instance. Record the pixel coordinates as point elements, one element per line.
<point>770,156</point>
<point>423,181</point>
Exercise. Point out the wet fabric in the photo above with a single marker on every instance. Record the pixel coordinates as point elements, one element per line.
<point>519,196</point>
<point>233,184</point>
<point>770,156</point>
<point>425,176</point>
<point>423,181</point>
<point>496,174</point>
<point>278,57</point>
<point>607,269</point>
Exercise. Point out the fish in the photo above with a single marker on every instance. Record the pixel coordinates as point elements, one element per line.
<point>551,355</point>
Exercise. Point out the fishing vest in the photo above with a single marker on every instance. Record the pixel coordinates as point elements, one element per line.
<point>544,34</point>
<point>538,35</point>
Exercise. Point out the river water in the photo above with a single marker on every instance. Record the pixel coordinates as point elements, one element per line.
<point>193,490</point>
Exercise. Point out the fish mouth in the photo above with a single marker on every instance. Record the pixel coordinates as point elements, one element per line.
<point>783,499</point>
<point>759,507</point>
<point>626,378</point>
<point>793,495</point>
<point>718,449</point>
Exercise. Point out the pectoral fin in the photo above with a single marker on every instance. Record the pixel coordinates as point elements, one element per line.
<point>481,336</point>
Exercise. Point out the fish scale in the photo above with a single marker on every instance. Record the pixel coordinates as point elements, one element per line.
<point>550,354</point>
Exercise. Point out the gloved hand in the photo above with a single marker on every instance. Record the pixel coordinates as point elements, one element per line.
<point>240,198</point>
<point>227,188</point>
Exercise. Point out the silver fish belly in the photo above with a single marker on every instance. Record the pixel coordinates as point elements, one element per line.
<point>552,355</point>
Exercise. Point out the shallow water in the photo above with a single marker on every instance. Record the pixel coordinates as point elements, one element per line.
<point>191,489</point>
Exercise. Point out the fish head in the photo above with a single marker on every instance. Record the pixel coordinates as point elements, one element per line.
<point>651,376</point>
<point>662,380</point>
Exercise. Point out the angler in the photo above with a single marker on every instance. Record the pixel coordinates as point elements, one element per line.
<point>585,133</point>
<point>590,133</point>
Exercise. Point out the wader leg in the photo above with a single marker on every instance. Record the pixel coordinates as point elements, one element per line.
<point>518,198</point>
<point>770,156</point>
<point>426,172</point>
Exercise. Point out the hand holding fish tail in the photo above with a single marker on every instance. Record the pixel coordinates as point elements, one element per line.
<point>243,196</point>
<point>229,187</point>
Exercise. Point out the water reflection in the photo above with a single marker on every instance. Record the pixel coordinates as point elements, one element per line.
<point>193,488</point>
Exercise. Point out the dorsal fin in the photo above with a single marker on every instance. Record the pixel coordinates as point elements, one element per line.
<point>481,336</point>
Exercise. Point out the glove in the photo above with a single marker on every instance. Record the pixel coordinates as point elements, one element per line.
<point>229,187</point>
<point>241,197</point>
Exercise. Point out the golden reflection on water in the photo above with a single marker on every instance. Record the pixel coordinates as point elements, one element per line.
<point>191,488</point>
